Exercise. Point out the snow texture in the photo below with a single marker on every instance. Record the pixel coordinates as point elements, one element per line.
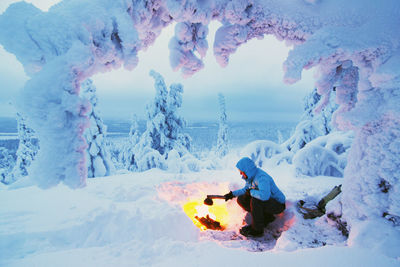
<point>325,155</point>
<point>262,151</point>
<point>189,38</point>
<point>354,45</point>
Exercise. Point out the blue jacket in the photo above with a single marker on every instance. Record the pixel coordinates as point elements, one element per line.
<point>261,185</point>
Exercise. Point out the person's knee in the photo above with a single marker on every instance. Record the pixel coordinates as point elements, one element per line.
<point>256,202</point>
<point>243,202</point>
<point>239,200</point>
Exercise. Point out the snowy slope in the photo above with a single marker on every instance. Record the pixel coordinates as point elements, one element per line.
<point>136,219</point>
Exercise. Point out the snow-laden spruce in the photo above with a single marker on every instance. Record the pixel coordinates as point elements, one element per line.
<point>164,139</point>
<point>315,148</point>
<point>222,140</point>
<point>127,154</point>
<point>7,163</point>
<point>325,155</point>
<point>312,123</point>
<point>354,45</point>
<point>27,149</point>
<point>98,158</point>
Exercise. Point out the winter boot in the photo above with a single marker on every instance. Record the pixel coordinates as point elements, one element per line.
<point>249,231</point>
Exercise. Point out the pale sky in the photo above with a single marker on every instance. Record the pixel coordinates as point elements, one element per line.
<point>251,83</point>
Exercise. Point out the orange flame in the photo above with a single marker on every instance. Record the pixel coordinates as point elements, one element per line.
<point>217,212</point>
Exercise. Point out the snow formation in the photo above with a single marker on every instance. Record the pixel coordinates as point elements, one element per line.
<point>27,149</point>
<point>163,140</point>
<point>127,155</point>
<point>6,164</point>
<point>98,158</point>
<point>325,155</point>
<point>222,141</point>
<point>313,123</point>
<point>315,148</point>
<point>354,45</point>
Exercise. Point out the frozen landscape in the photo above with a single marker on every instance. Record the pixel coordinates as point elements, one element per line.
<point>76,193</point>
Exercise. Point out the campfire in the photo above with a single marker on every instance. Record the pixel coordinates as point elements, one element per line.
<point>205,217</point>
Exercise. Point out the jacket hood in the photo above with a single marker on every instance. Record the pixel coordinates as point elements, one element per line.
<point>247,166</point>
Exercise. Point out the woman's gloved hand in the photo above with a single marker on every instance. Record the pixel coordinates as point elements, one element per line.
<point>228,196</point>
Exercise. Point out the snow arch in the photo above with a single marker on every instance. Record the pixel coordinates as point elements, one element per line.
<point>354,45</point>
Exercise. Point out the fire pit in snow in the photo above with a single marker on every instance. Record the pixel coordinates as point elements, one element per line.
<point>205,217</point>
<point>223,218</point>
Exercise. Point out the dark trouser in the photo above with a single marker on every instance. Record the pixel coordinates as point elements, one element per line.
<point>261,211</point>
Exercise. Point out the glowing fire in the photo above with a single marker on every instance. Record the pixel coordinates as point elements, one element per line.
<point>217,212</point>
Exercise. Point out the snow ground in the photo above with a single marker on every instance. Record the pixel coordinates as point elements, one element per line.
<point>136,219</point>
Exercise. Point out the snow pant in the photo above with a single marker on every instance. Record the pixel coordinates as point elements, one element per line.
<point>262,212</point>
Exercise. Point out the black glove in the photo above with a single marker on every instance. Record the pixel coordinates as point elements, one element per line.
<point>228,196</point>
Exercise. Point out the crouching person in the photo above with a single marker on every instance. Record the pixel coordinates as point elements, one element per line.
<point>260,196</point>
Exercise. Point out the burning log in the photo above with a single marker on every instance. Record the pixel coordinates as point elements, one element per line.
<point>205,217</point>
<point>210,223</point>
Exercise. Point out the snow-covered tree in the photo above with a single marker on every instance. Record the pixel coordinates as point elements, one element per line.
<point>176,123</point>
<point>222,141</point>
<point>325,155</point>
<point>98,159</point>
<point>155,135</point>
<point>127,156</point>
<point>315,148</point>
<point>6,165</point>
<point>312,123</point>
<point>27,150</point>
<point>164,127</point>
